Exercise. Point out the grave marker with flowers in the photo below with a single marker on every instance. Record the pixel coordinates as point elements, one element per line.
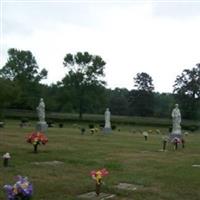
<point>6,157</point>
<point>21,190</point>
<point>37,138</point>
<point>97,176</point>
<point>145,134</point>
<point>164,141</point>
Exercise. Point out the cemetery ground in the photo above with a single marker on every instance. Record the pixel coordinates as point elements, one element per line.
<point>125,154</point>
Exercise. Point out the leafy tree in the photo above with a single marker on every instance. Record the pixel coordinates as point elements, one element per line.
<point>143,81</point>
<point>22,69</point>
<point>142,99</point>
<point>22,66</point>
<point>8,93</point>
<point>187,91</point>
<point>84,72</point>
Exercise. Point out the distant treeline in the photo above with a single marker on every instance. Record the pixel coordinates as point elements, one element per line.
<point>82,90</point>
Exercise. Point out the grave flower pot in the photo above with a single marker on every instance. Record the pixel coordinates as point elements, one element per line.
<point>97,176</point>
<point>21,190</point>
<point>164,145</point>
<point>98,188</point>
<point>35,147</point>
<point>5,162</point>
<point>6,158</point>
<point>35,139</point>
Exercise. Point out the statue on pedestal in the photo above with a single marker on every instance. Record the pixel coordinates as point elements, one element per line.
<point>107,118</point>
<point>176,120</point>
<point>41,110</point>
<point>107,127</point>
<point>41,125</point>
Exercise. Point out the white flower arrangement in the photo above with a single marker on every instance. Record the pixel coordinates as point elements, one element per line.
<point>165,138</point>
<point>6,156</point>
<point>145,133</point>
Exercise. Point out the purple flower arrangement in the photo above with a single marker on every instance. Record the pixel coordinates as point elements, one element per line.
<point>21,190</point>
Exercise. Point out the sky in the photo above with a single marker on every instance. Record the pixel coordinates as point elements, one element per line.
<point>161,38</point>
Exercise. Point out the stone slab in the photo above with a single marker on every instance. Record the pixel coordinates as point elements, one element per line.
<point>93,196</point>
<point>161,150</point>
<point>127,186</point>
<point>195,165</point>
<point>54,162</point>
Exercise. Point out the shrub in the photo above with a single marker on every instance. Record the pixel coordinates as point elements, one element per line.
<point>192,128</point>
<point>60,125</point>
<point>24,120</point>
<point>50,123</point>
<point>113,127</point>
<point>101,125</point>
<point>91,126</point>
<point>82,131</point>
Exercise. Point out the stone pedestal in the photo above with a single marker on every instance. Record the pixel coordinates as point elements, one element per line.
<point>93,196</point>
<point>173,135</point>
<point>107,130</point>
<point>41,127</point>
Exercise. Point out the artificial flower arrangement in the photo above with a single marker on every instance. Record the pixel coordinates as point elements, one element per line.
<point>145,134</point>
<point>97,176</point>
<point>176,141</point>
<point>37,138</point>
<point>21,190</point>
<point>165,139</point>
<point>6,157</point>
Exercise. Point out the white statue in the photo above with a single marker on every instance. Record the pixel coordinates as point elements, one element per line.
<point>41,110</point>
<point>107,118</point>
<point>176,118</point>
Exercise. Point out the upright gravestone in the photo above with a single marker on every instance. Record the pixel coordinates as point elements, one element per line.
<point>41,124</point>
<point>107,127</point>
<point>176,123</point>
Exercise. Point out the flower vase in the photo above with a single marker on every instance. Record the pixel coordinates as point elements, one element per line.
<point>176,145</point>
<point>5,162</point>
<point>183,143</point>
<point>98,188</point>
<point>35,147</point>
<point>164,145</point>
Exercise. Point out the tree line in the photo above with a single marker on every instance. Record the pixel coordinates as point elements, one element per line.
<point>83,89</point>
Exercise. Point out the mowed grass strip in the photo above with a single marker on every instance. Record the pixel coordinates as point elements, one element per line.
<point>126,155</point>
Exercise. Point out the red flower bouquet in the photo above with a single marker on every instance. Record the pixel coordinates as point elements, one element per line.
<point>36,138</point>
<point>97,176</point>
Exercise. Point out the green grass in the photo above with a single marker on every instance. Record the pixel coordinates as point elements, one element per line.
<point>128,158</point>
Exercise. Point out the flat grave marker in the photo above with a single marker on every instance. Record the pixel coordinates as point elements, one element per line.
<point>93,196</point>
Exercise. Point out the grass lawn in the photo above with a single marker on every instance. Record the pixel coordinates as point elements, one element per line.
<point>126,155</point>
